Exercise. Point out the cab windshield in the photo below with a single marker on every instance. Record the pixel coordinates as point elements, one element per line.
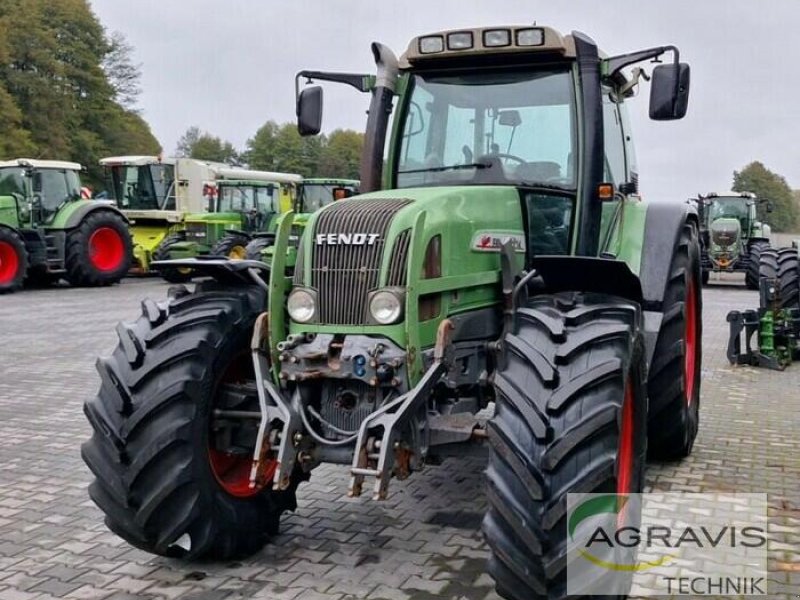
<point>513,127</point>
<point>314,196</point>
<point>728,208</point>
<point>241,199</point>
<point>144,187</point>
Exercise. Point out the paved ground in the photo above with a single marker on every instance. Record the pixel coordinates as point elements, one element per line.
<point>423,543</point>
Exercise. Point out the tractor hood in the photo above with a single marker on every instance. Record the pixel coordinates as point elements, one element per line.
<point>725,232</point>
<point>398,238</point>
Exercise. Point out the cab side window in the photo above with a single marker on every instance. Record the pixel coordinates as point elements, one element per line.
<point>615,169</point>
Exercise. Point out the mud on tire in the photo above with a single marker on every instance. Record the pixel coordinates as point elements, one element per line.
<point>781,264</point>
<point>570,386</point>
<point>152,443</point>
<point>99,251</point>
<point>674,377</point>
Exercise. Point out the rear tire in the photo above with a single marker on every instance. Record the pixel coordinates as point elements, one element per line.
<point>781,264</point>
<point>232,246</point>
<point>256,245</point>
<point>753,264</point>
<point>568,390</point>
<point>99,251</point>
<point>160,477</point>
<point>674,379</point>
<point>13,260</point>
<point>162,252</point>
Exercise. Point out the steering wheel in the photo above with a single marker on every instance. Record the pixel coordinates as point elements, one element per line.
<point>502,155</point>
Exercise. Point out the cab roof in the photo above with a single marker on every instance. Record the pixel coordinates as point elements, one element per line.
<point>136,160</point>
<point>481,41</point>
<point>42,164</point>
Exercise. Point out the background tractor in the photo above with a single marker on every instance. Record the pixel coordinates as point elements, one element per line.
<point>732,236</point>
<point>156,194</point>
<point>237,210</point>
<point>498,287</point>
<point>312,195</point>
<point>47,231</point>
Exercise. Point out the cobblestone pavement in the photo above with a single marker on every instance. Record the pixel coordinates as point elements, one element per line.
<point>424,542</point>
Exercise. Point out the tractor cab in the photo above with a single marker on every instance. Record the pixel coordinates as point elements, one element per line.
<point>142,183</point>
<point>40,188</point>
<point>316,193</point>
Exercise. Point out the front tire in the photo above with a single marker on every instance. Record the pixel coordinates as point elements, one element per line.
<point>781,264</point>
<point>99,251</point>
<point>256,246</point>
<point>232,246</point>
<point>13,260</point>
<point>674,380</point>
<point>570,416</point>
<point>168,475</point>
<point>162,252</point>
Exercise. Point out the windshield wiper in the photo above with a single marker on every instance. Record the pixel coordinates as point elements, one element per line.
<point>547,186</point>
<point>479,165</point>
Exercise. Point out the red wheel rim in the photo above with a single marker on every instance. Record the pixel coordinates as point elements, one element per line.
<point>232,470</point>
<point>9,263</point>
<point>690,337</point>
<point>106,250</point>
<point>626,436</point>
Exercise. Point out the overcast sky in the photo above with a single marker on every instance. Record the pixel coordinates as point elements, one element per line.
<point>228,67</point>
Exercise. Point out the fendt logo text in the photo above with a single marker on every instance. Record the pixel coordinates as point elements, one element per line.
<point>347,239</point>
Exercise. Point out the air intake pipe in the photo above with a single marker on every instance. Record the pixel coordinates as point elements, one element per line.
<point>380,109</point>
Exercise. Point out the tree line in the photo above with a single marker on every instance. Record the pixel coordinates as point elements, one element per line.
<point>757,178</point>
<point>279,147</point>
<point>68,89</point>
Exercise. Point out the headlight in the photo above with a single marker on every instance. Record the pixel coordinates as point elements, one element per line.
<point>386,307</point>
<point>301,305</point>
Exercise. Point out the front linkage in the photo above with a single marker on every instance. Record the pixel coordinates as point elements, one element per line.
<point>777,332</point>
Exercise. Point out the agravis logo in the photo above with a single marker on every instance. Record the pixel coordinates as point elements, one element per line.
<point>613,504</point>
<point>666,543</point>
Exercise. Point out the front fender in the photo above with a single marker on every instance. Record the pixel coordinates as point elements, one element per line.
<point>71,215</point>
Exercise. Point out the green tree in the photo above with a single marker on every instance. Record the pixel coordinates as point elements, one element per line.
<point>341,154</point>
<point>758,179</point>
<point>280,148</point>
<point>56,100</point>
<point>204,146</point>
<point>123,74</point>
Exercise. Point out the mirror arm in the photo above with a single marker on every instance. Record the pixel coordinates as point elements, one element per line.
<point>616,63</point>
<point>363,83</point>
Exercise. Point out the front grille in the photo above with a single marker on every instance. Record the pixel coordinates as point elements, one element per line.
<point>343,274</point>
<point>298,264</point>
<point>196,232</point>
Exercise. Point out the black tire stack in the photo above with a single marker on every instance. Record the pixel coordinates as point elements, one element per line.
<point>782,264</point>
<point>751,276</point>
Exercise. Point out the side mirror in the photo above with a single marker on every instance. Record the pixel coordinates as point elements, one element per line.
<point>309,111</point>
<point>669,92</point>
<point>770,207</point>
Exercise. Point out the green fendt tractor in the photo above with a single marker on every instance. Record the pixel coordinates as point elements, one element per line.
<point>47,231</point>
<point>500,257</point>
<point>732,236</point>
<point>312,195</point>
<point>238,210</point>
